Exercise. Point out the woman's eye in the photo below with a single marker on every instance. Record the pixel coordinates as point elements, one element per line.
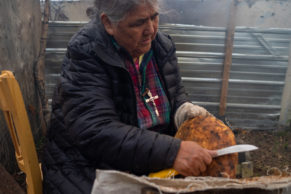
<point>154,16</point>
<point>138,23</point>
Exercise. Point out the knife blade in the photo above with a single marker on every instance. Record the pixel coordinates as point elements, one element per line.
<point>235,149</point>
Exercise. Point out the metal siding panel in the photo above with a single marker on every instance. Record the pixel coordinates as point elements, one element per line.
<point>259,64</point>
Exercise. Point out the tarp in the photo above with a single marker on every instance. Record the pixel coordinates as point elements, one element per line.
<point>112,182</point>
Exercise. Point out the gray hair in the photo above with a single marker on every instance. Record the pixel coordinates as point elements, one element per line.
<point>116,10</point>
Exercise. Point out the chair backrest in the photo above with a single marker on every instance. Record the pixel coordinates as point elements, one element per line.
<point>12,105</point>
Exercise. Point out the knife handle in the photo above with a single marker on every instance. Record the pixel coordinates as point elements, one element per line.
<point>167,173</point>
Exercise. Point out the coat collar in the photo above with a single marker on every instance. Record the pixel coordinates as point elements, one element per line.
<point>99,43</point>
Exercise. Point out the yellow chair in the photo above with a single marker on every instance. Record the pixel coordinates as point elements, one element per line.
<point>12,105</point>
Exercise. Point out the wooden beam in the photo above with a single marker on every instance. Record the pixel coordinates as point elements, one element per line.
<point>228,57</point>
<point>285,114</point>
<point>40,69</point>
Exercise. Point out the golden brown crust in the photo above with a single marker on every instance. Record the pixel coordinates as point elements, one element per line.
<point>211,133</point>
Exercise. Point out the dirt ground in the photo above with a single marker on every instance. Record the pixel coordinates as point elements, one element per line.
<point>274,154</point>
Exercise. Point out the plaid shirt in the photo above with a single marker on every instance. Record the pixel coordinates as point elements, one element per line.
<point>146,78</point>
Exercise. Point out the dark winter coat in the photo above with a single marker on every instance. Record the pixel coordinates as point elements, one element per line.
<point>94,121</point>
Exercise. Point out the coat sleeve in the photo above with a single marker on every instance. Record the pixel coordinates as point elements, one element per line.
<point>180,94</point>
<point>94,126</point>
<point>171,71</point>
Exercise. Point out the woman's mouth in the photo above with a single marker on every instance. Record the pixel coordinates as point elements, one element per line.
<point>146,41</point>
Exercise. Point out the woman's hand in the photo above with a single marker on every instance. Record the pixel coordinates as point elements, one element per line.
<point>192,159</point>
<point>188,111</point>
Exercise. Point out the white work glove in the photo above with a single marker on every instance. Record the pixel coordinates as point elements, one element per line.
<point>188,111</point>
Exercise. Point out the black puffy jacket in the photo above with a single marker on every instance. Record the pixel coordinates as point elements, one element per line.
<point>94,120</point>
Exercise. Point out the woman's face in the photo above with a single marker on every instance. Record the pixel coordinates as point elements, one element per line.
<point>137,30</point>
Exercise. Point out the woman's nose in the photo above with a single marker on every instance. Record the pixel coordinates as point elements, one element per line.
<point>150,27</point>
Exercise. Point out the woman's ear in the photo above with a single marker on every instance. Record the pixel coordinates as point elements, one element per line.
<point>107,24</point>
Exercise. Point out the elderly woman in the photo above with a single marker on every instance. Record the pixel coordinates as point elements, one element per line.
<point>119,102</point>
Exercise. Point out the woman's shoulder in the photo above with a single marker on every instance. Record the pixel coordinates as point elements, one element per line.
<point>84,41</point>
<point>84,35</point>
<point>164,41</point>
<point>164,38</point>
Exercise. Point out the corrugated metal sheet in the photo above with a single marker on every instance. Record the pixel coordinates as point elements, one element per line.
<point>259,64</point>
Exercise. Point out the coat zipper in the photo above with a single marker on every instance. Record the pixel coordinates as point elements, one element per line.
<point>132,92</point>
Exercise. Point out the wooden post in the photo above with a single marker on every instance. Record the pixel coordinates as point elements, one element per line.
<point>228,57</point>
<point>285,114</point>
<point>40,69</point>
<point>247,169</point>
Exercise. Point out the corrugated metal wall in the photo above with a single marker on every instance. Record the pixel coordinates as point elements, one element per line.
<point>259,64</point>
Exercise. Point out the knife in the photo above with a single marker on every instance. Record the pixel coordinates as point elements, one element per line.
<point>235,149</point>
<point>167,173</point>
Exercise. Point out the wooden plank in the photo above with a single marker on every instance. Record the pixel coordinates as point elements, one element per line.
<point>228,57</point>
<point>40,70</point>
<point>20,131</point>
<point>285,114</point>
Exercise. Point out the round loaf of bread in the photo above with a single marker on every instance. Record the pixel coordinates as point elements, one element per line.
<point>211,133</point>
